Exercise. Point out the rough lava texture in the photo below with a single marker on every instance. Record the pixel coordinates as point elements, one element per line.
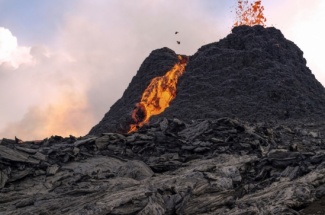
<point>222,166</point>
<point>254,74</point>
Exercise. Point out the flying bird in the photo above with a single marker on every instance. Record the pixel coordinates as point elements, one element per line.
<point>178,42</point>
<point>176,32</point>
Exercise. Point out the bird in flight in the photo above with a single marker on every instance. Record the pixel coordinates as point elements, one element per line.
<point>178,42</point>
<point>176,32</point>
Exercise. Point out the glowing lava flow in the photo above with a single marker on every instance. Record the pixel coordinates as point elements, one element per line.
<point>249,14</point>
<point>160,92</point>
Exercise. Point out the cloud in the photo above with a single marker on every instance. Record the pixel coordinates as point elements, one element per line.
<point>67,115</point>
<point>43,97</point>
<point>10,53</point>
<point>68,88</point>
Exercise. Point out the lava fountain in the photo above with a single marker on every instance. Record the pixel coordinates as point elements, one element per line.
<point>249,13</point>
<point>157,96</point>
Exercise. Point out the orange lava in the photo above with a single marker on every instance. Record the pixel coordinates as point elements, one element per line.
<point>157,96</point>
<point>249,13</point>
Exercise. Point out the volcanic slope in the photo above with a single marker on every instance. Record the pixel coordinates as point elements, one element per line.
<point>118,118</point>
<point>254,74</point>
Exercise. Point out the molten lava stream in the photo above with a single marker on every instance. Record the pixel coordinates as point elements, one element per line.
<point>157,96</point>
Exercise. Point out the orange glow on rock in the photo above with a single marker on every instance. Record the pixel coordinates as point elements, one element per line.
<point>157,96</point>
<point>249,13</point>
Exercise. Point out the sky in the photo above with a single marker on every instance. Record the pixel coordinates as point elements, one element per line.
<point>64,63</point>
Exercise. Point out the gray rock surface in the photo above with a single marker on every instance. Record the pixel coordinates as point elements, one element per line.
<point>222,166</point>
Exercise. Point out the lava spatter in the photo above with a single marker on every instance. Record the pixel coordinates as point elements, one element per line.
<point>249,13</point>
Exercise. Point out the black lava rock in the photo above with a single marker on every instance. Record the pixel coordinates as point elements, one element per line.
<point>221,166</point>
<point>254,74</point>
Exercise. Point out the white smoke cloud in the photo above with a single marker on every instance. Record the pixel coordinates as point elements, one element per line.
<point>67,90</point>
<point>10,53</point>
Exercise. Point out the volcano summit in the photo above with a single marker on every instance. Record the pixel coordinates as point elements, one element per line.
<point>253,74</point>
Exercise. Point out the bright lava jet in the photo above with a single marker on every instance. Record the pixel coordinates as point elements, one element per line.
<point>157,96</point>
